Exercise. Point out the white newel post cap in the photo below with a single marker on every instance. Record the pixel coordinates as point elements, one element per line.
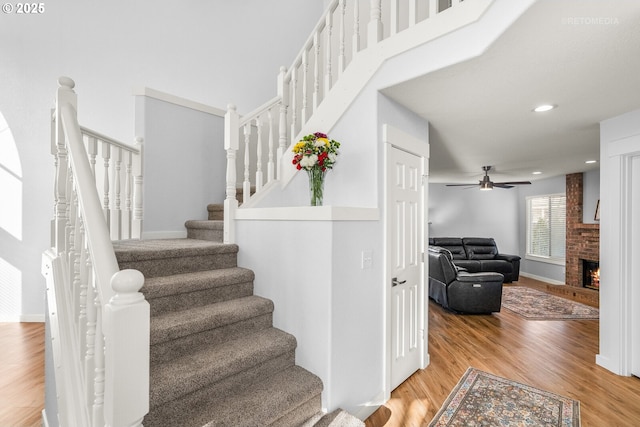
<point>66,82</point>
<point>127,284</point>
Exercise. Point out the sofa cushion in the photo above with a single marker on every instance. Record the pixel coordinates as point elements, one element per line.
<point>498,266</point>
<point>480,247</point>
<point>453,244</point>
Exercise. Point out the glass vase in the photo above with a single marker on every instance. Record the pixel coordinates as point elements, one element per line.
<point>316,186</point>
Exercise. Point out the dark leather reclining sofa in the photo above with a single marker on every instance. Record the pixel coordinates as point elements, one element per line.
<point>461,291</point>
<point>479,254</point>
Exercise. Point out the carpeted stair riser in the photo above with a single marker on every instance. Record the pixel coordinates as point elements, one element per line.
<point>185,291</point>
<point>205,230</point>
<point>300,414</point>
<point>205,366</point>
<point>268,402</point>
<point>185,411</point>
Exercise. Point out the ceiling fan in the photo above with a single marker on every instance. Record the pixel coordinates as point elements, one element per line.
<point>487,184</point>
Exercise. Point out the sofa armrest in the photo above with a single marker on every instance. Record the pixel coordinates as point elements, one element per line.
<point>465,277</point>
<point>515,261</point>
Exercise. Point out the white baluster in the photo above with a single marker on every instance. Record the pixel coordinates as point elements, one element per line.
<point>283,92</point>
<point>92,150</point>
<point>316,70</point>
<point>270,166</point>
<point>294,114</point>
<point>246,184</point>
<point>80,281</point>
<point>89,359</point>
<point>433,8</point>
<point>375,23</point>
<point>341,56</point>
<point>259,176</point>
<point>97,409</point>
<point>136,226</point>
<point>328,80</point>
<point>393,17</point>
<point>106,155</point>
<point>413,12</point>
<point>355,44</point>
<point>128,189</point>
<point>231,141</point>
<point>305,72</point>
<point>116,212</point>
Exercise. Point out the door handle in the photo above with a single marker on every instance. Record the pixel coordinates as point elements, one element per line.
<point>395,282</point>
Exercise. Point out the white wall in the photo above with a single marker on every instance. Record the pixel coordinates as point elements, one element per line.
<point>214,52</point>
<point>619,295</point>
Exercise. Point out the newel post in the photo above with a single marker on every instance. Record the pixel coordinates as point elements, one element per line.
<point>283,93</point>
<point>64,95</point>
<point>231,136</point>
<point>126,351</point>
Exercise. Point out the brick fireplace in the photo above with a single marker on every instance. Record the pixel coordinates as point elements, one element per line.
<point>583,240</point>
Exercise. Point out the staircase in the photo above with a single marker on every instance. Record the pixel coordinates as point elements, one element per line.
<point>216,359</point>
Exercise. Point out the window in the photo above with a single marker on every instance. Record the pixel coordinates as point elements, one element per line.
<point>546,232</point>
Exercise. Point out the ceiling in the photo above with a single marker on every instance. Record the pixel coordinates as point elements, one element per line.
<point>581,55</point>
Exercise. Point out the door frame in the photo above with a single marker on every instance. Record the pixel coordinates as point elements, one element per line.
<point>395,138</point>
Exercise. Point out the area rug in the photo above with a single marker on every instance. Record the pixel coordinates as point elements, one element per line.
<point>536,305</point>
<point>483,399</point>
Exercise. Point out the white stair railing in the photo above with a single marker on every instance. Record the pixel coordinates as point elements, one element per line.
<point>338,37</point>
<point>101,362</point>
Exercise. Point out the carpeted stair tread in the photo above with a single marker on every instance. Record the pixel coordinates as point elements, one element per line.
<point>143,250</point>
<point>205,224</point>
<point>204,366</point>
<point>174,325</point>
<point>337,418</point>
<point>265,403</point>
<point>156,287</point>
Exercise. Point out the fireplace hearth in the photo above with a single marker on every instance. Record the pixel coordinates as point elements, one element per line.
<point>591,274</point>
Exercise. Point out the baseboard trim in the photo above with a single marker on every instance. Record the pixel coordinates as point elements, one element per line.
<point>154,235</point>
<point>22,318</point>
<point>364,411</point>
<point>542,279</point>
<point>45,421</point>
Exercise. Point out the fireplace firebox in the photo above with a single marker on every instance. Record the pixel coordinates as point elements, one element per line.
<point>591,274</point>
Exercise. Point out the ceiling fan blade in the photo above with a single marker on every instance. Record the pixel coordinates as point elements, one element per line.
<point>513,183</point>
<point>462,185</point>
<point>502,185</point>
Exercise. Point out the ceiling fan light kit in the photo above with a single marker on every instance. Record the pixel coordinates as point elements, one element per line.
<point>486,184</point>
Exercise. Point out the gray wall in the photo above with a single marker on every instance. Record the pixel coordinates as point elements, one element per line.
<point>556,185</point>
<point>463,212</point>
<point>184,164</point>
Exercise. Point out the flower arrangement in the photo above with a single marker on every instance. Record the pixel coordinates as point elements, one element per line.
<point>316,154</point>
<point>315,151</point>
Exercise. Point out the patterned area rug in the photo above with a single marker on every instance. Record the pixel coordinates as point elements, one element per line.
<point>535,305</point>
<point>483,399</point>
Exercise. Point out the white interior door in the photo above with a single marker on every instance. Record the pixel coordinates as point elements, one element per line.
<point>635,268</point>
<point>405,199</point>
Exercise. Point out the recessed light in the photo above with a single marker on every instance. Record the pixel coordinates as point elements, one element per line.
<point>591,161</point>
<point>544,107</point>
<point>536,173</point>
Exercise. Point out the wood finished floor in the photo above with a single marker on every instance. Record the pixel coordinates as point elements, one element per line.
<point>21,374</point>
<point>558,356</point>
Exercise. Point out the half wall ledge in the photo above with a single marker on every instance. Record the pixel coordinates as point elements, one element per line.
<point>309,213</point>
